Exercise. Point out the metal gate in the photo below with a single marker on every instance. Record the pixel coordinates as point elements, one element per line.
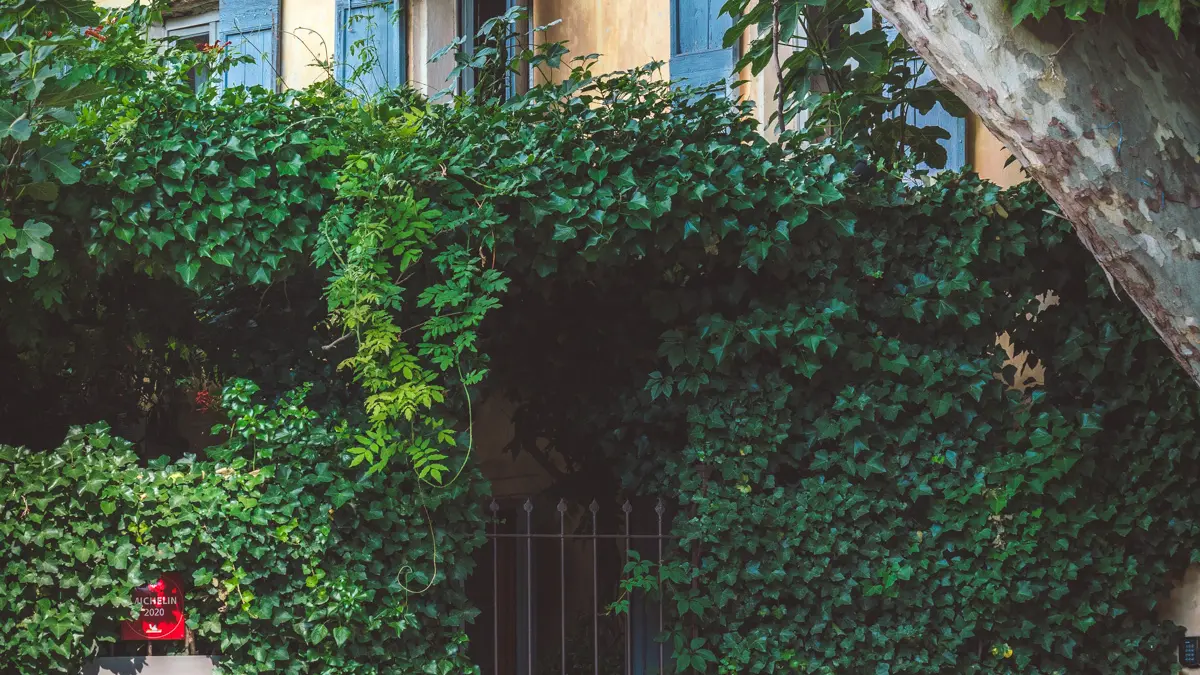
<point>514,536</point>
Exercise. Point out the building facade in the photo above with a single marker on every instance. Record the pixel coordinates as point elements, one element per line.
<point>297,42</point>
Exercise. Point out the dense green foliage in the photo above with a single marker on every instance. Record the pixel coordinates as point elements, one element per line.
<point>841,73</point>
<point>175,262</point>
<point>1175,13</point>
<point>54,531</point>
<point>294,559</point>
<point>815,376</point>
<point>210,189</point>
<point>46,67</point>
<point>801,353</point>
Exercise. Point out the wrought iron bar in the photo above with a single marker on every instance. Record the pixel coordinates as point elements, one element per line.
<point>510,535</point>
<point>529,584</point>
<point>530,613</point>
<point>595,509</point>
<point>562,579</point>
<point>659,509</point>
<point>628,508</point>
<point>495,509</point>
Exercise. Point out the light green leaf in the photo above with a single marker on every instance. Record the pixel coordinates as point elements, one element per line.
<point>222,258</point>
<point>13,122</point>
<point>563,232</point>
<point>188,271</point>
<point>32,238</point>
<point>1023,9</point>
<point>1170,11</point>
<point>20,130</point>
<point>53,161</point>
<point>175,169</point>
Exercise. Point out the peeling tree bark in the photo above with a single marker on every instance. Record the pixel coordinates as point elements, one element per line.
<point>1105,115</point>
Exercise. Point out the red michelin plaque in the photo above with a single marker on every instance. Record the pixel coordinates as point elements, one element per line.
<point>162,611</point>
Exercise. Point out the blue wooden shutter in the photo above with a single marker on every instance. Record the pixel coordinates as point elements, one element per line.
<point>697,31</point>
<point>467,23</point>
<point>252,28</point>
<point>378,28</point>
<point>519,83</point>
<point>956,145</point>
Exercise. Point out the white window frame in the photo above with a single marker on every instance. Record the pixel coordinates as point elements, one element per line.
<point>204,25</point>
<point>189,26</point>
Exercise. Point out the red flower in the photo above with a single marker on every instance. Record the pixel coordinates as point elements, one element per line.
<point>95,34</point>
<point>204,401</point>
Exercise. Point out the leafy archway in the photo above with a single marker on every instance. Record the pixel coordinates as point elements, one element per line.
<point>807,359</point>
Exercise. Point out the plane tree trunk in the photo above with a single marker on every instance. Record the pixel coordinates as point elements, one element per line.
<point>1105,115</point>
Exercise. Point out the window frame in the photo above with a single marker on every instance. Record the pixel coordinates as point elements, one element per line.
<point>205,24</point>
<point>687,60</point>
<point>400,11</point>
<point>515,83</point>
<point>958,148</point>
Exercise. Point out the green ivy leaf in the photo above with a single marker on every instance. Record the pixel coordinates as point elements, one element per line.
<point>1170,10</point>
<point>563,233</point>
<point>176,169</point>
<point>1023,9</point>
<point>187,271</point>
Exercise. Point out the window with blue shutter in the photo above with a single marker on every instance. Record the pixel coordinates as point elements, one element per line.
<point>518,83</point>
<point>252,28</point>
<point>370,45</point>
<point>472,14</point>
<point>697,30</point>
<point>198,30</point>
<point>956,145</point>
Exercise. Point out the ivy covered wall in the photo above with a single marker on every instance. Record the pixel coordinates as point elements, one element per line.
<point>796,339</point>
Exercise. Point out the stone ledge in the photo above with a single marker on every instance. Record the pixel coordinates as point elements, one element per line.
<point>152,665</point>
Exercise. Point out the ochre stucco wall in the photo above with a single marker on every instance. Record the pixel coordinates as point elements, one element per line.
<point>987,154</point>
<point>306,40</point>
<point>633,33</point>
<point>432,24</point>
<point>626,33</point>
